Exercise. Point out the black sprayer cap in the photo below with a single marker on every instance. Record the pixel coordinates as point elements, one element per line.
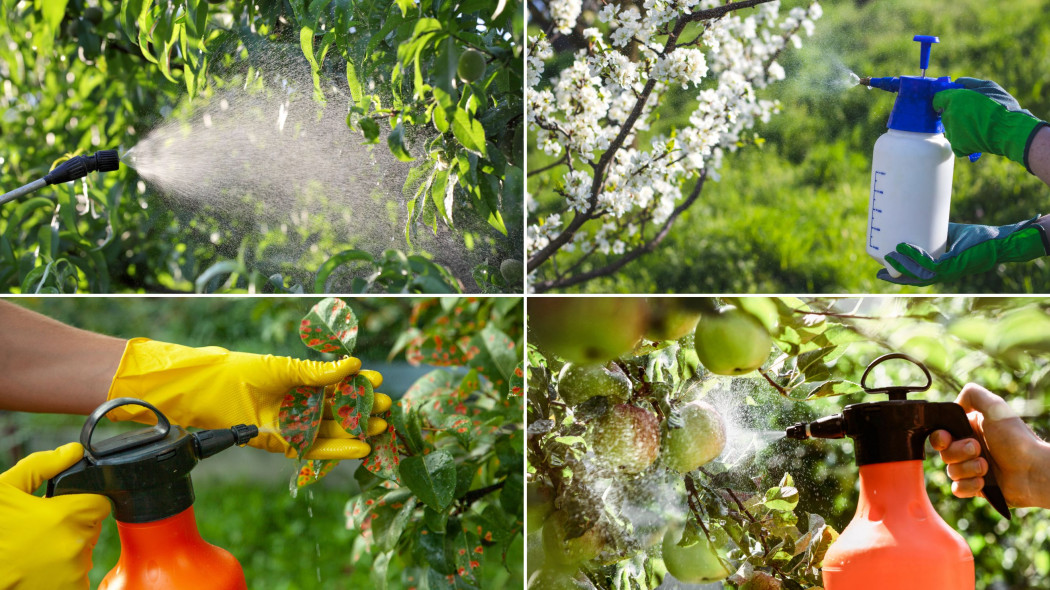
<point>897,429</point>
<point>146,472</point>
<point>79,166</point>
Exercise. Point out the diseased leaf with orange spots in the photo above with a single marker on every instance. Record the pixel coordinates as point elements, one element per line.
<point>433,393</point>
<point>495,356</point>
<point>383,461</point>
<point>300,416</point>
<point>330,326</point>
<point>314,470</point>
<point>351,403</point>
<point>517,380</point>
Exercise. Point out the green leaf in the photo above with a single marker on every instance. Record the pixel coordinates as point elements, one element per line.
<point>405,6</point>
<point>330,326</point>
<point>329,266</point>
<point>356,90</point>
<point>430,477</point>
<point>469,132</point>
<point>371,130</point>
<point>396,142</point>
<point>53,11</point>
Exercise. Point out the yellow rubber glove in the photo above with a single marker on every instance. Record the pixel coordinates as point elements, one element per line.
<point>212,387</point>
<point>46,543</point>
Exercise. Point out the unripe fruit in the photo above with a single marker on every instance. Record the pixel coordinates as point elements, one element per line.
<point>732,342</point>
<point>587,330</point>
<point>512,270</point>
<point>701,438</point>
<point>93,15</point>
<point>552,579</point>
<point>669,319</point>
<point>695,564</point>
<point>558,550</point>
<point>579,383</point>
<point>538,506</point>
<point>471,65</point>
<point>627,437</point>
<point>762,581</point>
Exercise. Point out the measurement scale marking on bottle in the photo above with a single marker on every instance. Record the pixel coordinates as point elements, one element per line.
<point>874,210</point>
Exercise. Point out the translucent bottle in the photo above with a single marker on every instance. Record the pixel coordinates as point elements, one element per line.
<point>911,168</point>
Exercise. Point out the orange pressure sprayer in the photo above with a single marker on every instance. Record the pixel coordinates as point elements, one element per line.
<point>896,539</point>
<point>146,475</point>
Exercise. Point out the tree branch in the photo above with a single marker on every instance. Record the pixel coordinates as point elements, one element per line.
<point>600,168</point>
<point>633,254</point>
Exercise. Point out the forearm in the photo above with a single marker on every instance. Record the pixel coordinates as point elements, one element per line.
<point>1039,476</point>
<point>1039,155</point>
<point>47,366</point>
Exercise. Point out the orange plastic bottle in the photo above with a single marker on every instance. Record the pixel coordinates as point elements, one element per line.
<point>146,475</point>
<point>170,554</point>
<point>896,539</point>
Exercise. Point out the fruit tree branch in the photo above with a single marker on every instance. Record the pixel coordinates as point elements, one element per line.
<point>633,254</point>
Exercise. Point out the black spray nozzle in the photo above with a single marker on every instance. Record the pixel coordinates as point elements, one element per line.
<point>210,442</point>
<point>827,427</point>
<point>79,166</point>
<point>897,429</point>
<point>146,472</point>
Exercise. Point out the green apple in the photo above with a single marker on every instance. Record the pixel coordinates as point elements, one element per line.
<point>762,581</point>
<point>587,330</point>
<point>626,437</point>
<point>471,65</point>
<point>732,342</point>
<point>93,15</point>
<point>579,383</point>
<point>559,550</point>
<point>538,506</point>
<point>512,271</point>
<point>701,437</point>
<point>696,564</point>
<point>670,319</point>
<point>554,579</point>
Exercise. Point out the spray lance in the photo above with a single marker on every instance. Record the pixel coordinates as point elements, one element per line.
<point>896,539</point>
<point>911,167</point>
<point>72,169</point>
<point>146,475</point>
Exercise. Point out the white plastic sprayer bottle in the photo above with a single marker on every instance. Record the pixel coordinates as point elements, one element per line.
<point>911,168</point>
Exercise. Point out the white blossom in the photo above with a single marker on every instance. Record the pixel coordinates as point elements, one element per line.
<point>580,110</point>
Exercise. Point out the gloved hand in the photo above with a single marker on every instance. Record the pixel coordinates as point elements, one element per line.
<point>971,249</point>
<point>982,117</point>
<point>47,542</point>
<point>212,387</point>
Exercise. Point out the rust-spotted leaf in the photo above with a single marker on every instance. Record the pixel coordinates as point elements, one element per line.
<point>330,326</point>
<point>351,403</point>
<point>314,470</point>
<point>300,416</point>
<point>383,461</point>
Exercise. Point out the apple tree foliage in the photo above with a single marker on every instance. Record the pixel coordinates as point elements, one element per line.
<point>83,75</point>
<point>441,490</point>
<point>772,513</point>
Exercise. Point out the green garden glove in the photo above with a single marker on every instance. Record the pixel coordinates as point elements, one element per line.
<point>971,249</point>
<point>982,117</point>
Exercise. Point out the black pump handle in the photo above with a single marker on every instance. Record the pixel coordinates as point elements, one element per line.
<point>952,417</point>
<point>124,441</point>
<point>896,392</point>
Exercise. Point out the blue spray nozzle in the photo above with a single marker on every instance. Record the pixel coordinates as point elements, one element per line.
<point>974,157</point>
<point>924,52</point>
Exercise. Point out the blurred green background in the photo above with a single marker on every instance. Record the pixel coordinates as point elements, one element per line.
<point>243,500</point>
<point>789,215</point>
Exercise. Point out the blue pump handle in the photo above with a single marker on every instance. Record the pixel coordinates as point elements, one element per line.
<point>924,51</point>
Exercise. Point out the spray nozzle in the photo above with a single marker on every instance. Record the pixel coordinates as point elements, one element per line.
<point>145,472</point>
<point>79,166</point>
<point>897,429</point>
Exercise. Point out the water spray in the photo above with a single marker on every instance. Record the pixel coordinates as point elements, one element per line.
<point>896,539</point>
<point>72,169</point>
<point>146,475</point>
<point>912,166</point>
